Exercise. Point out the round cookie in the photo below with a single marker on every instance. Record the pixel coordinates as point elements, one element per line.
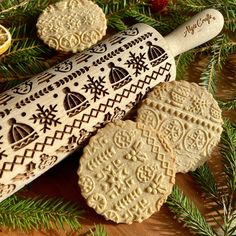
<point>126,172</point>
<point>72,25</point>
<point>188,117</point>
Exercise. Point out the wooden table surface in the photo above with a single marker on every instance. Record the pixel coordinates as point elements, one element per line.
<point>61,181</point>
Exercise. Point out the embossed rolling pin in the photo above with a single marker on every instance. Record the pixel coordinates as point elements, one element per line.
<point>44,119</point>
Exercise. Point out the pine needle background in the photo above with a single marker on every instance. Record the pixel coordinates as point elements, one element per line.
<point>28,56</point>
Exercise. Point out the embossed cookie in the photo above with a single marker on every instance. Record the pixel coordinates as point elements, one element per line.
<point>72,25</point>
<point>126,172</point>
<point>188,117</point>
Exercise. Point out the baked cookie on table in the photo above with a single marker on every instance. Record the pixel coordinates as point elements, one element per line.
<point>188,117</point>
<point>72,25</point>
<point>126,172</point>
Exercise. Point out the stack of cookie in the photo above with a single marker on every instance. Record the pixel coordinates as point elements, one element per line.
<point>128,168</point>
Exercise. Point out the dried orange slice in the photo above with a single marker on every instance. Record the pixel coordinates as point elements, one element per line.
<point>5,39</point>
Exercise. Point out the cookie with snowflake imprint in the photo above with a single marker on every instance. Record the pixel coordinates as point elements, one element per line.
<point>126,172</point>
<point>72,25</point>
<point>188,117</point>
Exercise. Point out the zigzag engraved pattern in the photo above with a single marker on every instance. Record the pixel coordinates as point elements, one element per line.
<point>68,129</point>
<point>148,134</point>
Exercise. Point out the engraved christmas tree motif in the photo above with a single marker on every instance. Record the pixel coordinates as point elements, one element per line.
<point>46,117</point>
<point>20,135</point>
<point>28,174</point>
<point>96,87</point>
<point>74,102</point>
<point>156,54</point>
<point>74,141</point>
<point>2,152</point>
<point>117,114</point>
<point>137,63</point>
<point>118,76</point>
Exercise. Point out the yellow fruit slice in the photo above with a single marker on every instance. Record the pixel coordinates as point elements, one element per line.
<point>5,39</point>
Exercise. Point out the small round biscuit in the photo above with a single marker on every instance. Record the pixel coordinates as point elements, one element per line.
<point>71,25</point>
<point>126,172</point>
<point>189,119</point>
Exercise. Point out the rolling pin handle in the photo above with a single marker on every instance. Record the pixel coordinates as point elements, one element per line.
<point>199,29</point>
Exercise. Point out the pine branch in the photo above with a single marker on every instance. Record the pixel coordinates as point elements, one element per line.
<point>227,223</point>
<point>22,70</point>
<point>22,32</point>
<point>99,230</point>
<point>116,23</point>
<point>209,76</point>
<point>25,50</point>
<point>227,8</point>
<point>228,152</point>
<point>206,181</point>
<point>220,50</point>
<point>183,62</point>
<point>113,7</point>
<point>187,212</point>
<point>22,11</point>
<point>38,214</point>
<point>227,105</point>
<point>143,18</point>
<point>118,11</point>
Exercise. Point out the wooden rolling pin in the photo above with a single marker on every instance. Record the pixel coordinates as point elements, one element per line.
<point>45,118</point>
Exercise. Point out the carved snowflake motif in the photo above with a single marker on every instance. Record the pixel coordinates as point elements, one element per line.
<point>46,117</point>
<point>116,179</point>
<point>137,63</point>
<point>96,87</point>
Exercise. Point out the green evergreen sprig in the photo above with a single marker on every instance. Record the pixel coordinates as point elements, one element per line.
<point>15,12</point>
<point>188,213</point>
<point>38,213</point>
<point>228,105</point>
<point>205,178</point>
<point>183,61</point>
<point>228,152</point>
<point>99,230</point>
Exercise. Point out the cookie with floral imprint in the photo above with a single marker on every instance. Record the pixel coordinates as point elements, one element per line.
<point>72,25</point>
<point>188,117</point>
<point>126,172</point>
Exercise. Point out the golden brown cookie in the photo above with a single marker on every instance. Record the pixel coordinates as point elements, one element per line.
<point>188,117</point>
<point>72,25</point>
<point>126,172</point>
